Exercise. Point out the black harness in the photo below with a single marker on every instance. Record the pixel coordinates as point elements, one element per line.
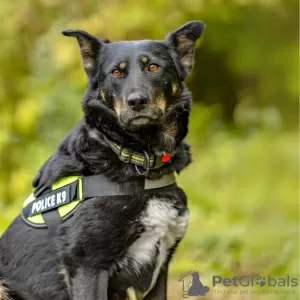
<point>51,209</point>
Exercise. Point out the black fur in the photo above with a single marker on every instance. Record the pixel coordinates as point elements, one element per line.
<point>88,245</point>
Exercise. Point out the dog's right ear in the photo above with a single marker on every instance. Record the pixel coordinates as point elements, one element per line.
<point>89,46</point>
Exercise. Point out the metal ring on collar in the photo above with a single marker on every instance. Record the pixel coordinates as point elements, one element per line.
<point>146,165</point>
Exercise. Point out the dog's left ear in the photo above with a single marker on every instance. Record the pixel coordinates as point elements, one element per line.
<point>183,40</point>
<point>89,46</point>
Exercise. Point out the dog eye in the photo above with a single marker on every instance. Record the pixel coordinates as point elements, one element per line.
<point>116,72</point>
<point>153,67</point>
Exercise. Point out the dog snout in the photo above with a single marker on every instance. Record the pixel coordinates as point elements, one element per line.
<point>137,102</point>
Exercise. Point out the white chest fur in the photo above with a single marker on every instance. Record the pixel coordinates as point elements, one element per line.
<point>162,224</point>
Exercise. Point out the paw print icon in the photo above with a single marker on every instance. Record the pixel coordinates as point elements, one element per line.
<point>261,281</point>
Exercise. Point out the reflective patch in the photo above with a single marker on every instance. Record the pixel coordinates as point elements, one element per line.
<point>49,201</point>
<point>65,197</point>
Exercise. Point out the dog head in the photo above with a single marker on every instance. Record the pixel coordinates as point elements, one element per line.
<point>137,82</point>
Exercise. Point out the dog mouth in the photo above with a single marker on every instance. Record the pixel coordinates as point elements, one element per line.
<point>141,121</point>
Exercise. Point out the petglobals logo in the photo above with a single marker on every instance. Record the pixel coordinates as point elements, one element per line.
<point>192,285</point>
<point>195,285</point>
<point>252,281</point>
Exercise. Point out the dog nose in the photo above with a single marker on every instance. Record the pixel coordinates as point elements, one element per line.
<point>137,102</point>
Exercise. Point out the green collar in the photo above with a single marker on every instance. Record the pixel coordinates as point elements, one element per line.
<point>144,160</point>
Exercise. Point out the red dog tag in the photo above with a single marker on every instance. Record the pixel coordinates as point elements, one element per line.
<point>166,157</point>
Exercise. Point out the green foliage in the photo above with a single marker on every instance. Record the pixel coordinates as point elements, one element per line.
<point>243,184</point>
<point>243,200</point>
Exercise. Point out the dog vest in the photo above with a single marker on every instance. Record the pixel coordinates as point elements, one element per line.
<point>51,209</point>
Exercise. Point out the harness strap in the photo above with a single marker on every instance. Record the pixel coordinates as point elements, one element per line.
<point>52,219</point>
<point>100,186</point>
<point>51,209</point>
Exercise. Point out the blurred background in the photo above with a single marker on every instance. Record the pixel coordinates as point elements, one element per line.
<point>243,184</point>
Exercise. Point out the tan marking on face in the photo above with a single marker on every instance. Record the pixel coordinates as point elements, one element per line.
<point>102,95</point>
<point>144,59</point>
<point>171,129</point>
<point>161,102</point>
<point>169,134</point>
<point>174,89</point>
<point>122,65</point>
<point>117,107</point>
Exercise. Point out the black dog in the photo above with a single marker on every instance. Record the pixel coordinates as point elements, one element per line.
<point>114,246</point>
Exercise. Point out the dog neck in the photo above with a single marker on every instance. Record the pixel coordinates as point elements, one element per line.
<point>144,160</point>
<point>155,140</point>
<point>180,156</point>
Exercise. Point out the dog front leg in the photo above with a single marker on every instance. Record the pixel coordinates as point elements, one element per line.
<point>159,292</point>
<point>90,284</point>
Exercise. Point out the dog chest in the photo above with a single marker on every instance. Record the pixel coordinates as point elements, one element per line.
<point>163,225</point>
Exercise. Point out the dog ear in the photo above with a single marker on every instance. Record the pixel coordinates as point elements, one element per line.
<point>183,40</point>
<point>89,46</point>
